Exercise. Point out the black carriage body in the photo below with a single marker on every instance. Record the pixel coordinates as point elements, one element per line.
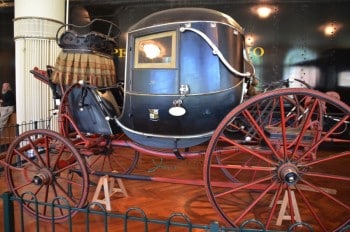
<point>184,75</point>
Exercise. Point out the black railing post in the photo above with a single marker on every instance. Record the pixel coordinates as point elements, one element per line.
<point>8,212</point>
<point>17,130</point>
<point>214,226</point>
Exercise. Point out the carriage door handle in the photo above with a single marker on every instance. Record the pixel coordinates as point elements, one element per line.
<point>177,110</point>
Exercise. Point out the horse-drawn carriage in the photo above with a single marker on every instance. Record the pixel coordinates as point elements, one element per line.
<point>187,72</point>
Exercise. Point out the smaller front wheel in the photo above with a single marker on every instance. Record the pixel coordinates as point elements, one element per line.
<point>45,168</point>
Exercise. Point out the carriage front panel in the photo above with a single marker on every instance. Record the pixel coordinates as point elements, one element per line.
<point>188,76</point>
<point>146,115</point>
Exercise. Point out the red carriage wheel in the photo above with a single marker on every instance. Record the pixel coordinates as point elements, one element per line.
<point>48,166</point>
<point>281,160</point>
<point>248,134</point>
<point>103,158</point>
<point>114,159</point>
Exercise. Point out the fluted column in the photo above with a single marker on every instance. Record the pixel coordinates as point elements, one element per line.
<point>35,26</point>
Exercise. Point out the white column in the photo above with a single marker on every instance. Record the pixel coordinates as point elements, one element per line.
<point>35,25</point>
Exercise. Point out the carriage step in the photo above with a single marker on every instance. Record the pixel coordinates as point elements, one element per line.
<point>108,185</point>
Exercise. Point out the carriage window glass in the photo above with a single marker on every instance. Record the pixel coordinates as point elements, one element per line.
<point>156,51</point>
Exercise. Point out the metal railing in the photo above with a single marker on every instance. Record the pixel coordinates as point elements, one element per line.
<point>14,219</point>
<point>9,132</point>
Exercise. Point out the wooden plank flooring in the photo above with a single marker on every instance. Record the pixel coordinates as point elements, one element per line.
<point>157,200</point>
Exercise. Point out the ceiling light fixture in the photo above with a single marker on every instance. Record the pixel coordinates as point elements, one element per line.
<point>263,11</point>
<point>330,29</point>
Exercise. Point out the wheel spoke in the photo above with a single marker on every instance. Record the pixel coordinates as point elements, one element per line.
<point>54,187</point>
<point>324,193</point>
<point>22,186</point>
<point>65,168</point>
<point>283,129</point>
<point>46,200</point>
<point>327,176</point>
<point>260,132</point>
<point>20,156</point>
<point>323,138</point>
<point>35,151</point>
<point>248,150</point>
<point>115,159</point>
<point>76,183</point>
<point>64,192</point>
<point>329,158</point>
<point>243,186</point>
<point>305,126</point>
<point>59,156</point>
<point>244,213</point>
<point>311,209</point>
<point>279,162</point>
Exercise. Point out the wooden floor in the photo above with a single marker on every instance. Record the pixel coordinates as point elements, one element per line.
<point>158,200</point>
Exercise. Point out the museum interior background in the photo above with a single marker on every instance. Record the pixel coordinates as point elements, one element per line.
<point>296,39</point>
<point>287,40</point>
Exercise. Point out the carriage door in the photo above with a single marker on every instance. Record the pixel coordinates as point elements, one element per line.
<point>153,82</point>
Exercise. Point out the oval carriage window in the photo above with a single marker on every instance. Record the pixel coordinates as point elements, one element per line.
<point>156,51</point>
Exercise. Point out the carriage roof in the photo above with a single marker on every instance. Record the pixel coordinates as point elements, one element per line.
<point>178,15</point>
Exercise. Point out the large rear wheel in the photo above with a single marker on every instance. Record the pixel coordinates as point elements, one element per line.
<point>280,164</point>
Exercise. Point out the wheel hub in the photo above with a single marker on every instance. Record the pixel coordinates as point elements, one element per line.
<point>44,177</point>
<point>288,173</point>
